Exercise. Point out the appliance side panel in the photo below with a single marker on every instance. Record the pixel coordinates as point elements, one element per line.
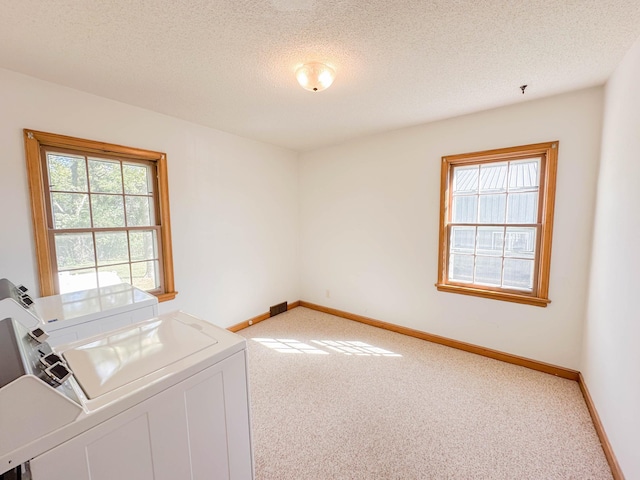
<point>170,435</point>
<point>197,428</point>
<point>236,397</point>
<point>62,463</point>
<point>208,429</point>
<point>129,445</point>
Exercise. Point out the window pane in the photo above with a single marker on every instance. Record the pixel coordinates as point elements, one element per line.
<point>70,210</point>
<point>113,275</point>
<point>524,174</point>
<point>518,273</point>
<point>74,250</point>
<point>105,176</point>
<point>136,179</point>
<point>145,275</point>
<point>465,179</point>
<point>143,245</point>
<point>493,177</point>
<point>461,268</point>
<point>465,209</point>
<point>139,211</point>
<point>490,240</point>
<point>520,242</point>
<point>492,208</point>
<point>111,247</point>
<point>77,280</point>
<point>463,239</point>
<point>108,211</point>
<point>67,172</point>
<point>489,270</point>
<point>523,208</point>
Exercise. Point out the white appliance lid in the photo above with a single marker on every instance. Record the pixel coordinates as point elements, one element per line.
<point>92,303</point>
<point>114,360</point>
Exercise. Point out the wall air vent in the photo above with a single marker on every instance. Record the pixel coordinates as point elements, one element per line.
<point>278,309</point>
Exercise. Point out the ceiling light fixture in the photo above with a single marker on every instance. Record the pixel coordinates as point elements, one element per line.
<point>315,76</point>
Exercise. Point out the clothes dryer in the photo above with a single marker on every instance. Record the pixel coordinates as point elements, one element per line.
<point>164,398</point>
<point>76,315</point>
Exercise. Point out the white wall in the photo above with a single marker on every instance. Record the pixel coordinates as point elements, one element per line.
<point>611,356</point>
<point>234,202</point>
<point>369,227</point>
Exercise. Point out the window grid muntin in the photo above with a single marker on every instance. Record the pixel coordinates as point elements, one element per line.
<point>503,256</point>
<point>153,214</point>
<point>478,193</point>
<point>507,190</point>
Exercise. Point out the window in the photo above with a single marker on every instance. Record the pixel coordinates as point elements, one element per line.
<point>100,214</point>
<point>496,223</point>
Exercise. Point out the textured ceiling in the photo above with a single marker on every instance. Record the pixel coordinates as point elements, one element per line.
<point>229,64</point>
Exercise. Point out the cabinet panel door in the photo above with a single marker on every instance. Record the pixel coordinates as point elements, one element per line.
<point>196,429</point>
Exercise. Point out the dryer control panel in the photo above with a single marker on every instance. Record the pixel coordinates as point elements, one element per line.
<point>26,352</point>
<point>18,293</point>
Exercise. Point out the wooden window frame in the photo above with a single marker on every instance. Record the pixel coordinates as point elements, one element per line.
<point>35,142</point>
<point>547,188</point>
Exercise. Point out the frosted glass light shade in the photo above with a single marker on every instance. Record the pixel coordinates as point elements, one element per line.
<point>315,76</point>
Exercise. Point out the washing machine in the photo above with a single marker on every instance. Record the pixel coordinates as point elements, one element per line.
<point>164,398</point>
<point>77,315</point>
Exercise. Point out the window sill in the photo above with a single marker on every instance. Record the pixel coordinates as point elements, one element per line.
<point>165,297</point>
<point>504,296</point>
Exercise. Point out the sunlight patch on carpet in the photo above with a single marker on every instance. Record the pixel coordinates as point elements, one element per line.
<point>289,345</point>
<point>355,348</point>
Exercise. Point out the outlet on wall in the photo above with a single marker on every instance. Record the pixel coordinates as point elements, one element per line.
<point>327,293</point>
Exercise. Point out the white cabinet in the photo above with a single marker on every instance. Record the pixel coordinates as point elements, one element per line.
<point>196,429</point>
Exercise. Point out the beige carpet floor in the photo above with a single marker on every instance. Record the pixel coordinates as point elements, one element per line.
<point>335,399</point>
